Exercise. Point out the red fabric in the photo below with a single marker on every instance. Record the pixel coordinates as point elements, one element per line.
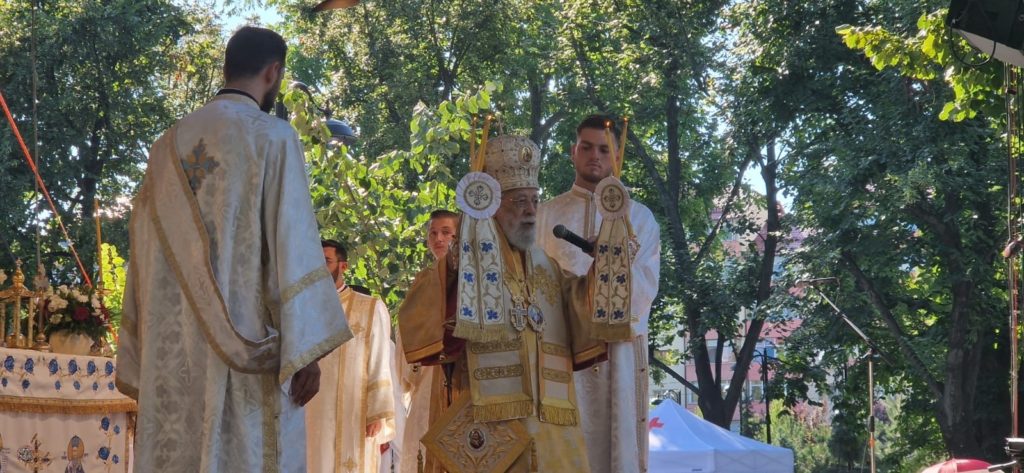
<point>958,465</point>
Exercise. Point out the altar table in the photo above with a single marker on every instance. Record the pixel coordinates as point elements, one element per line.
<point>62,413</point>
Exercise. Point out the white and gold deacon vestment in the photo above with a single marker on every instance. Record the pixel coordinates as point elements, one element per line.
<point>419,383</point>
<point>227,295</point>
<point>612,397</point>
<point>355,391</point>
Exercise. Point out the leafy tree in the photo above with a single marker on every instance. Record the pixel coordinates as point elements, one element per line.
<point>906,207</point>
<point>98,109</point>
<point>371,204</point>
<point>805,431</point>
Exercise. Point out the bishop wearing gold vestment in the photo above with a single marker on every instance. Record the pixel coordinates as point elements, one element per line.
<point>508,325</point>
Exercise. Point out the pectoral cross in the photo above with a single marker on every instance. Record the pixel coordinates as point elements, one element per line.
<point>519,313</point>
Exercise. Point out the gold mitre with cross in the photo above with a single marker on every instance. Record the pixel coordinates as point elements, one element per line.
<point>504,163</point>
<point>514,161</point>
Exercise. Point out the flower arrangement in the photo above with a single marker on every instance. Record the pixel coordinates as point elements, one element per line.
<point>75,310</point>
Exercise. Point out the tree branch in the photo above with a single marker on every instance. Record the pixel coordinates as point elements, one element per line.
<point>669,371</point>
<point>769,172</point>
<point>706,245</point>
<point>878,302</point>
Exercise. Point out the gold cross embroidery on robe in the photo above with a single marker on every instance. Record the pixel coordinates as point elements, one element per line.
<point>198,165</point>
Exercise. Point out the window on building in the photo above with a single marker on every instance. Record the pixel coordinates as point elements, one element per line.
<point>691,397</point>
<point>727,354</point>
<point>755,389</point>
<point>767,347</point>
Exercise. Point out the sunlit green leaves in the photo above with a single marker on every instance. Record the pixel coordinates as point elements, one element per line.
<point>378,206</point>
<point>927,55</point>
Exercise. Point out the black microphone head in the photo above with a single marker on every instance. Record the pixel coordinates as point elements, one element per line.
<point>560,231</point>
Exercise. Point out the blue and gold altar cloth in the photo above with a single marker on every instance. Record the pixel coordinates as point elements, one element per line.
<point>62,413</point>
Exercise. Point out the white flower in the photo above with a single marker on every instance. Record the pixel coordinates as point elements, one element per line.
<point>95,303</point>
<point>55,319</point>
<point>63,289</point>
<point>84,299</point>
<point>57,302</point>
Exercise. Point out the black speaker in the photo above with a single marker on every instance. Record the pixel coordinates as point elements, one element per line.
<point>994,27</point>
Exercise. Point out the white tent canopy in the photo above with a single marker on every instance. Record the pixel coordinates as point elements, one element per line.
<point>684,443</point>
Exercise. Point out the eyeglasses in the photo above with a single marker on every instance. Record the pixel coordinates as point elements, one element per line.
<point>522,203</point>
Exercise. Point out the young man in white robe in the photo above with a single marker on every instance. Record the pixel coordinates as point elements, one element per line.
<point>227,305</point>
<point>613,395</point>
<point>354,413</point>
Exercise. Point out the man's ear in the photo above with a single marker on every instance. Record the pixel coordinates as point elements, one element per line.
<point>271,72</point>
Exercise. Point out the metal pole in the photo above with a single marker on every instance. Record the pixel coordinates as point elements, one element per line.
<point>872,352</point>
<point>871,406</point>
<point>767,398</point>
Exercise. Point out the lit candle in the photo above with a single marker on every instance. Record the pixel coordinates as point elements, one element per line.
<point>17,318</point>
<point>611,144</point>
<point>481,159</point>
<point>19,279</point>
<point>99,243</point>
<point>472,141</point>
<point>31,320</point>
<point>622,147</point>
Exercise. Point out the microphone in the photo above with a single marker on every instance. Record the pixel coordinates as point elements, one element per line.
<point>809,282</point>
<point>563,233</point>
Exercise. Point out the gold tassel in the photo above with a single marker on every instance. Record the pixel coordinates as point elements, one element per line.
<point>534,464</point>
<point>503,411</point>
<point>558,415</point>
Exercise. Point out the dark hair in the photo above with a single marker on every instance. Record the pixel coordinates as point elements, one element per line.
<point>251,49</point>
<point>360,289</point>
<point>339,249</point>
<point>443,213</point>
<point>598,122</point>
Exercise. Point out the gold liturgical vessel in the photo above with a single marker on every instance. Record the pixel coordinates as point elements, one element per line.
<point>21,300</point>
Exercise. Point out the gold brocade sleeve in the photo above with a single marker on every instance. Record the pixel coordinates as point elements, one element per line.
<point>577,300</point>
<point>421,316</point>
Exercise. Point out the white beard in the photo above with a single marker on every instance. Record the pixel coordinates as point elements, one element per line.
<point>522,238</point>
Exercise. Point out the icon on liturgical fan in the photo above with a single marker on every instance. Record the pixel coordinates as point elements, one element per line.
<point>75,455</point>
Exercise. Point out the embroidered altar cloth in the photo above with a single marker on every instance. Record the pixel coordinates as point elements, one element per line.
<point>62,413</point>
